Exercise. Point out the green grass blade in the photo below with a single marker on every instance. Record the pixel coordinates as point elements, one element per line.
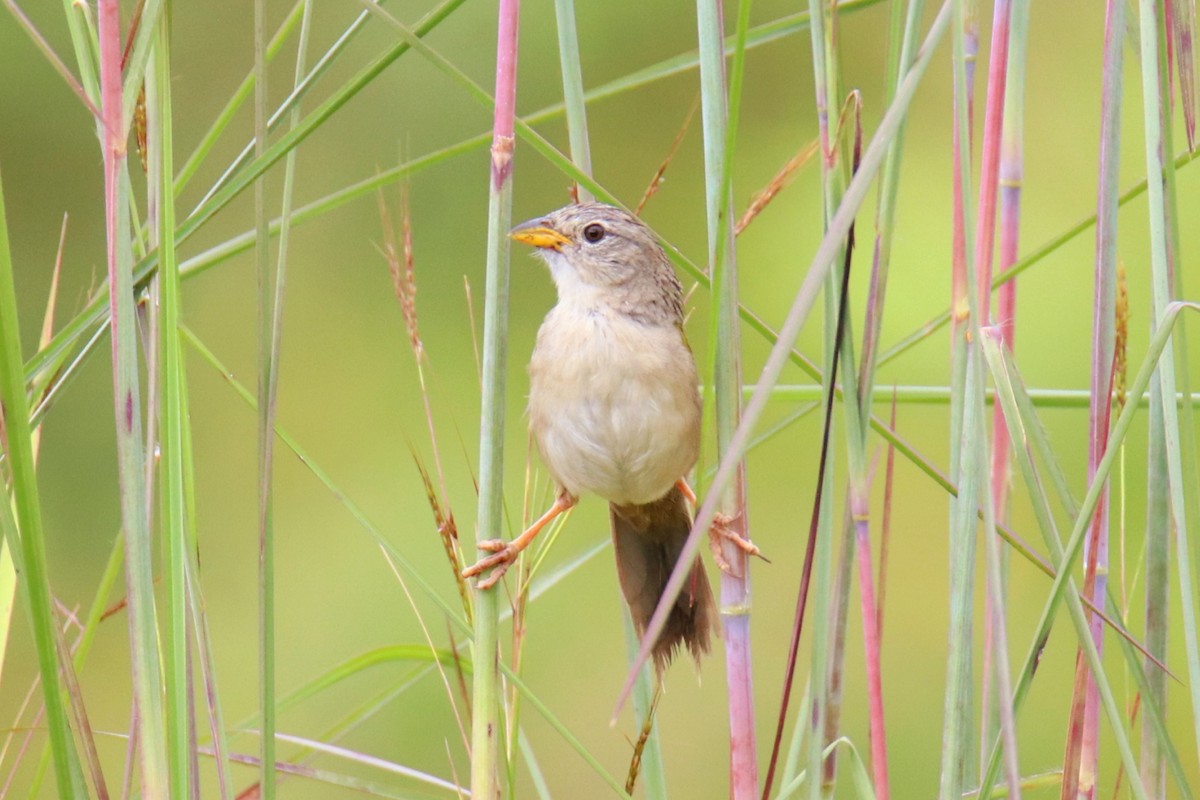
<point>178,684</point>
<point>24,533</point>
<point>1157,138</point>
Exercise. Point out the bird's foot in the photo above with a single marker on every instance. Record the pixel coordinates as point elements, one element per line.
<point>723,530</point>
<point>503,555</point>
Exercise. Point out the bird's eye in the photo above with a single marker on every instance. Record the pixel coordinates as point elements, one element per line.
<point>594,232</point>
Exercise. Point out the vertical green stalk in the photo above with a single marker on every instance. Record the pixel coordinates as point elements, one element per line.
<point>1011,170</point>
<point>158,97</point>
<point>1157,136</point>
<point>822,36</point>
<point>31,547</point>
<point>147,680</point>
<point>572,78</point>
<point>266,409</point>
<point>485,728</point>
<point>1100,407</point>
<point>719,105</point>
<point>958,696</point>
<point>1158,586</point>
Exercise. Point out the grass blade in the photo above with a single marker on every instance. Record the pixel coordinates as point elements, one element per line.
<point>24,532</point>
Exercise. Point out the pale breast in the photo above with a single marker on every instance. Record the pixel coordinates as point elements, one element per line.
<point>613,405</point>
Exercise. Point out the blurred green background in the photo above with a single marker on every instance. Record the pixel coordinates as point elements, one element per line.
<point>349,392</point>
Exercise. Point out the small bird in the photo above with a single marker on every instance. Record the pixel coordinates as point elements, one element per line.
<point>614,407</point>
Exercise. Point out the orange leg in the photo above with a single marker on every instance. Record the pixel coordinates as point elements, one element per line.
<point>688,494</point>
<point>504,553</point>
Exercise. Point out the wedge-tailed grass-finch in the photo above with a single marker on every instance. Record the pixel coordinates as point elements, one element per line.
<point>614,407</point>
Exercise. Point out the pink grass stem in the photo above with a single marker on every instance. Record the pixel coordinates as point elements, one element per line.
<point>985,237</point>
<point>989,170</point>
<point>1103,342</point>
<point>870,620</point>
<point>503,122</point>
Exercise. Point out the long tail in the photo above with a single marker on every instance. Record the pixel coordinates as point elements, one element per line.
<point>648,540</point>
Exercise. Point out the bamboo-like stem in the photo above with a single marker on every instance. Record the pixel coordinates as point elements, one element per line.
<point>832,592</point>
<point>485,750</point>
<point>147,681</point>
<point>1158,573</point>
<point>1099,411</point>
<point>719,114</point>
<point>1011,171</point>
<point>958,706</point>
<point>170,372</point>
<point>996,679</point>
<point>1156,113</point>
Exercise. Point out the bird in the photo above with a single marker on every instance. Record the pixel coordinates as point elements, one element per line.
<point>614,410</point>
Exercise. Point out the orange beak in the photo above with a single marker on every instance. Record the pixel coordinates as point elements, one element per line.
<point>538,235</point>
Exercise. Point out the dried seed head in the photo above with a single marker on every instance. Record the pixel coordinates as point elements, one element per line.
<point>1120,365</point>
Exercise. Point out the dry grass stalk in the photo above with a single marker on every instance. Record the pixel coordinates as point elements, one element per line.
<point>402,268</point>
<point>657,180</point>
<point>776,185</point>
<point>635,762</point>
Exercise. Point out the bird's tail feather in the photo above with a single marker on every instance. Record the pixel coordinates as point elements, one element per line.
<point>648,540</point>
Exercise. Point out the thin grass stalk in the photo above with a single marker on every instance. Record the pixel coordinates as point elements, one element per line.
<point>1155,109</point>
<point>995,596</point>
<point>572,78</point>
<point>1157,580</point>
<point>885,216</point>
<point>797,314</point>
<point>1082,774</point>
<point>24,532</point>
<point>719,104</point>
<point>1011,169</point>
<point>198,615</point>
<point>1190,476</point>
<point>999,153</point>
<point>143,631</point>
<point>1011,172</point>
<point>856,543</point>
<point>1186,492</point>
<point>832,593</point>
<point>8,569</point>
<point>170,371</point>
<point>958,703</point>
<point>485,750</point>
<point>266,415</point>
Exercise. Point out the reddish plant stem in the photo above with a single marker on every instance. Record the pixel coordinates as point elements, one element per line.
<point>1103,343</point>
<point>870,619</point>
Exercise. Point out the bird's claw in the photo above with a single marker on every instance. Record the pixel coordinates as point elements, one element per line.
<point>722,530</point>
<point>503,555</point>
